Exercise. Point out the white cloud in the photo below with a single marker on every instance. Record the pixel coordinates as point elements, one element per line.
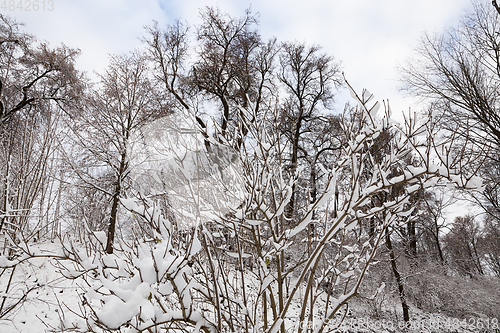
<point>98,28</point>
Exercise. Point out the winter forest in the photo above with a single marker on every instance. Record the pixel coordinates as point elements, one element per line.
<point>207,182</point>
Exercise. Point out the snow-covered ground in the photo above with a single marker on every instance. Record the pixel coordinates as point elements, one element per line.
<point>42,309</point>
<point>55,302</point>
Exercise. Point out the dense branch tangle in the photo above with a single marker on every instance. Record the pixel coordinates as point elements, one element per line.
<point>458,72</point>
<point>266,249</point>
<point>245,267</point>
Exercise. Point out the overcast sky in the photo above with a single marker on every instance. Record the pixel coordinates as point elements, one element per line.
<point>369,37</point>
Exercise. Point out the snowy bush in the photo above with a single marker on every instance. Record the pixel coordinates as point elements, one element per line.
<point>249,267</point>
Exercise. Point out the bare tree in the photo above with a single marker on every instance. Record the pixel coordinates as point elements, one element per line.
<point>33,72</point>
<point>168,51</point>
<point>125,101</point>
<point>231,65</point>
<point>190,281</point>
<point>225,68</point>
<point>37,82</point>
<point>433,221</point>
<point>234,67</point>
<point>310,79</point>
<point>462,246</point>
<point>490,245</point>
<point>459,72</point>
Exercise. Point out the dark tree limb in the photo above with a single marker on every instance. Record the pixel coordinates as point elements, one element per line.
<point>495,4</point>
<point>399,280</point>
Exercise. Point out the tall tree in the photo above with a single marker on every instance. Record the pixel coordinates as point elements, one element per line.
<point>230,65</point>
<point>310,79</point>
<point>167,50</point>
<point>433,221</point>
<point>462,245</point>
<point>125,100</point>
<point>225,68</point>
<point>459,73</point>
<point>33,72</point>
<point>490,245</point>
<point>36,83</point>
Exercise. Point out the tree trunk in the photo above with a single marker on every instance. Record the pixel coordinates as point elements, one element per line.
<point>5,201</point>
<point>495,4</point>
<point>402,296</point>
<point>225,115</point>
<point>112,220</point>
<point>290,208</point>
<point>116,201</point>
<point>412,239</point>
<point>438,245</point>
